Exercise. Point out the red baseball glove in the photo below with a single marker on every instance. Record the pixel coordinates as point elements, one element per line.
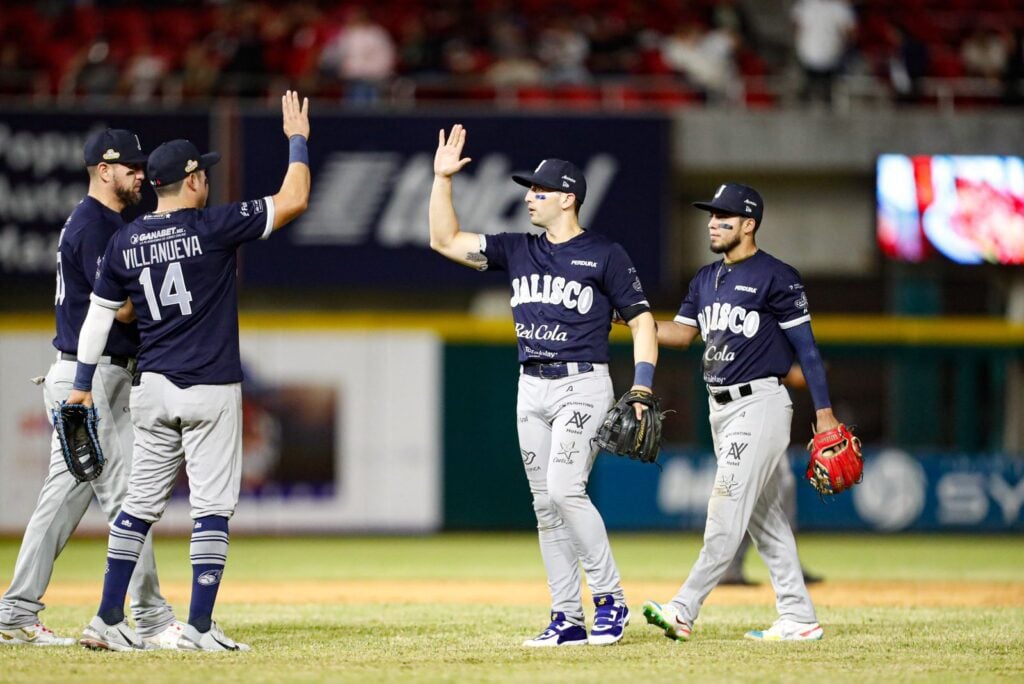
<point>836,463</point>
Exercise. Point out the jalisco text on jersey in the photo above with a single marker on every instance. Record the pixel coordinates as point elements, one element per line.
<point>728,317</point>
<point>547,290</point>
<point>161,252</point>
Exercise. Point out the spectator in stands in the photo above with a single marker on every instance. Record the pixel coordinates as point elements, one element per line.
<point>1013,77</point>
<point>986,52</point>
<point>241,49</point>
<point>613,48</point>
<point>199,71</point>
<point>906,62</point>
<point>92,72</point>
<point>421,42</point>
<point>362,54</point>
<point>705,59</point>
<point>513,65</point>
<point>729,14</point>
<point>824,33</point>
<point>144,73</point>
<point>563,50</point>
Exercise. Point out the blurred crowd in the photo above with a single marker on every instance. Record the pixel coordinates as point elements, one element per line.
<point>718,51</point>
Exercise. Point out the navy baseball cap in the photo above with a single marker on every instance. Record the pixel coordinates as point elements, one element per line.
<point>735,199</point>
<point>174,160</point>
<point>556,174</point>
<point>113,146</point>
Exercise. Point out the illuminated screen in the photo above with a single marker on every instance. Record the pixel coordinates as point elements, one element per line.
<point>969,209</point>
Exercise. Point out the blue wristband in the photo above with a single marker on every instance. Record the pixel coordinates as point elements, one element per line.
<point>83,376</point>
<point>297,151</point>
<point>643,374</point>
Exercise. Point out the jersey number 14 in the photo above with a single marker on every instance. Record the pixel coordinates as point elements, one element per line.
<point>172,291</point>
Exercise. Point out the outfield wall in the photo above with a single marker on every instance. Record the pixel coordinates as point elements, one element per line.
<point>342,433</point>
<point>355,423</point>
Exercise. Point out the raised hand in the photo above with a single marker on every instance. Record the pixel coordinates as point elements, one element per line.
<point>448,159</point>
<point>296,118</point>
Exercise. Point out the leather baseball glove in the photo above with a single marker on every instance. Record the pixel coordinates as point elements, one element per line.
<point>836,463</point>
<point>79,442</point>
<point>622,434</point>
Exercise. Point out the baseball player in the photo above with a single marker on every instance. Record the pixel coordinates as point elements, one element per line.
<point>177,266</point>
<point>114,160</point>
<point>787,482</point>
<point>566,282</point>
<point>751,310</point>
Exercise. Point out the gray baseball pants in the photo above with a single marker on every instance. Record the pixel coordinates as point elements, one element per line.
<point>557,421</point>
<point>63,501</point>
<point>751,435</point>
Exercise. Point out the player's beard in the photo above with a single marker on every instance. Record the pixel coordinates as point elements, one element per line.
<point>129,196</point>
<point>726,245</point>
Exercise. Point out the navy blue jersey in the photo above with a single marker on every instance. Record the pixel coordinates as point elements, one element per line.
<point>563,295</point>
<point>741,310</point>
<point>83,240</point>
<point>178,268</point>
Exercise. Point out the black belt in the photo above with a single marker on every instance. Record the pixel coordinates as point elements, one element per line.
<point>556,369</point>
<point>725,397</point>
<point>126,362</point>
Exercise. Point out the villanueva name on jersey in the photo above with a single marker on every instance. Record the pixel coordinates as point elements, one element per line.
<point>162,252</point>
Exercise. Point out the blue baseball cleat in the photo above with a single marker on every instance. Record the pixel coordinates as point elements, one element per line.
<point>560,632</point>
<point>610,620</point>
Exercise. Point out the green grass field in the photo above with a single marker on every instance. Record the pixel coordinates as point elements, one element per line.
<point>455,608</point>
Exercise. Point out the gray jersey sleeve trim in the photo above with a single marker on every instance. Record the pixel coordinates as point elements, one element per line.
<point>269,202</point>
<point>795,322</point>
<point>106,303</point>
<point>686,321</point>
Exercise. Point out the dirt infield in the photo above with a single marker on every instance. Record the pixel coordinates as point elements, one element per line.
<point>835,593</point>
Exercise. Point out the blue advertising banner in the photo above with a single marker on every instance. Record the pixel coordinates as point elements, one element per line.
<point>42,177</point>
<point>367,220</point>
<point>900,491</point>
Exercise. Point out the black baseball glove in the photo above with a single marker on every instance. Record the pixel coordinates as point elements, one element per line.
<point>79,442</point>
<point>623,434</point>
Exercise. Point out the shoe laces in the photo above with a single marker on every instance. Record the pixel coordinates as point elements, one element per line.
<point>44,629</point>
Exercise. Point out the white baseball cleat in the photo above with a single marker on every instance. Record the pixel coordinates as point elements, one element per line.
<point>33,635</point>
<point>166,639</point>
<point>666,618</point>
<point>192,639</point>
<point>787,630</point>
<point>99,636</point>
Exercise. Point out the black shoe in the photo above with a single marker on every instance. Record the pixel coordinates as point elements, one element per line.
<point>739,581</point>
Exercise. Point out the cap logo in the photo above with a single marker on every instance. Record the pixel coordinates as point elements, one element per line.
<point>721,189</point>
<point>191,166</point>
<point>138,143</point>
<point>111,154</point>
<point>569,178</point>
